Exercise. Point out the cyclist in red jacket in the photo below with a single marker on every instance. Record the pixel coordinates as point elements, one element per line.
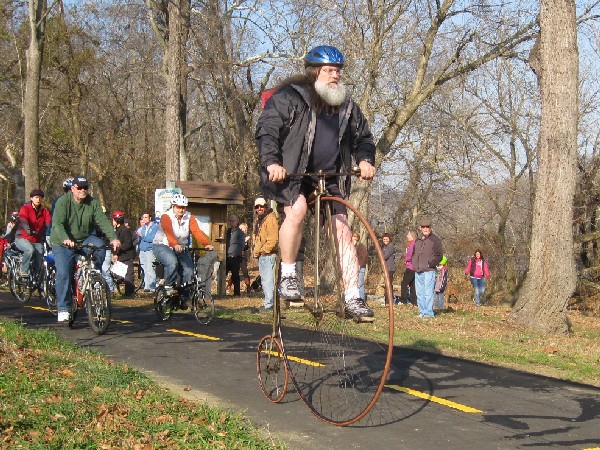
<point>34,218</point>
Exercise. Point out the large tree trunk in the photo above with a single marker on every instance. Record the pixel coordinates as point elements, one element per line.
<point>175,112</point>
<point>551,278</point>
<point>31,102</point>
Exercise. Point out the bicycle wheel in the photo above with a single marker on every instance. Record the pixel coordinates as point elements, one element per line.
<point>204,308</point>
<point>98,304</point>
<point>272,371</point>
<point>138,276</point>
<point>20,287</point>
<point>163,304</point>
<point>49,286</point>
<point>339,367</point>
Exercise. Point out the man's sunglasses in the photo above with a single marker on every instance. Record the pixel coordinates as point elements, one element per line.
<point>79,188</point>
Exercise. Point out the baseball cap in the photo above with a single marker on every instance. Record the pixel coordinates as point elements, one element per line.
<point>425,223</point>
<point>81,181</point>
<point>260,202</point>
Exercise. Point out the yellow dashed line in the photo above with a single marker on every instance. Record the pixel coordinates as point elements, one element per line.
<point>188,333</point>
<point>296,359</point>
<point>40,308</point>
<point>37,307</point>
<point>432,398</point>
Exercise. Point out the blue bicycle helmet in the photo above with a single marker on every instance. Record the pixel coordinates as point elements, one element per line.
<point>324,55</point>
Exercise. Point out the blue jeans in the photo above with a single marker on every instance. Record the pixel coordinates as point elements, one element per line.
<point>64,259</point>
<point>175,264</point>
<point>146,260</point>
<point>30,251</point>
<point>425,285</point>
<point>479,286</point>
<point>361,282</point>
<point>438,300</point>
<point>266,268</point>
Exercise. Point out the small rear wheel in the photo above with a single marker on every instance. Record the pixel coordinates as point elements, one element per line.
<point>204,308</point>
<point>272,370</point>
<point>163,304</point>
<point>98,304</point>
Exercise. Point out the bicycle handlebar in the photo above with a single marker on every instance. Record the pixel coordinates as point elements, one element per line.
<point>354,172</point>
<point>79,247</point>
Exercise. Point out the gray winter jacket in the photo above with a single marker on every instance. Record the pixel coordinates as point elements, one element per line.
<point>427,253</point>
<point>285,133</point>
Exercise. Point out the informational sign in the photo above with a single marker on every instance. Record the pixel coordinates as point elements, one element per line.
<point>162,200</point>
<point>204,224</point>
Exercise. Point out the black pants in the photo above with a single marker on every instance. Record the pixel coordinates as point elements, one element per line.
<point>232,264</point>
<point>129,286</point>
<point>408,281</point>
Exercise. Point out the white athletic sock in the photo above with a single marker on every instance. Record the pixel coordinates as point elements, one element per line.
<point>288,269</point>
<point>351,294</point>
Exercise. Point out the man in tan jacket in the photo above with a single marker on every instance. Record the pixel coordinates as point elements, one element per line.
<point>265,238</point>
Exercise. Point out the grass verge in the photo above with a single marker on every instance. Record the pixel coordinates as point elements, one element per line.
<point>54,395</point>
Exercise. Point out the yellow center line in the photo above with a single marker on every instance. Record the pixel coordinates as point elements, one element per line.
<point>432,398</point>
<point>188,333</point>
<point>37,307</point>
<point>296,359</point>
<point>40,308</point>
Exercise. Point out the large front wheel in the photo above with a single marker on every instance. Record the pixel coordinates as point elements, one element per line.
<point>98,304</point>
<point>338,357</point>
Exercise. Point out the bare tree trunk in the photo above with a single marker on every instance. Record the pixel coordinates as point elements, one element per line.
<point>31,102</point>
<point>175,112</point>
<point>551,278</point>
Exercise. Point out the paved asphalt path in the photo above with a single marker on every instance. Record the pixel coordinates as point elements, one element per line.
<point>516,410</point>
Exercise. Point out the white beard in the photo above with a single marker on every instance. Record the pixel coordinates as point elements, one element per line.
<point>333,96</point>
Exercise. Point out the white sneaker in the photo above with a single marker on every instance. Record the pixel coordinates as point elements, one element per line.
<point>63,316</point>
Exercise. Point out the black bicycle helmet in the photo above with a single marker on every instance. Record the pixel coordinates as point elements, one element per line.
<point>324,55</point>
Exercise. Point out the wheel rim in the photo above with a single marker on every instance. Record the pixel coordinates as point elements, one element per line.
<point>338,373</point>
<point>272,370</point>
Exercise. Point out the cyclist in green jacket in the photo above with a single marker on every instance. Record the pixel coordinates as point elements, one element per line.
<point>75,215</point>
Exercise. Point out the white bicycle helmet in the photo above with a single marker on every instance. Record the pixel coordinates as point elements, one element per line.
<point>179,200</point>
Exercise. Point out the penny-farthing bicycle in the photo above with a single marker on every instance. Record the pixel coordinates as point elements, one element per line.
<point>338,366</point>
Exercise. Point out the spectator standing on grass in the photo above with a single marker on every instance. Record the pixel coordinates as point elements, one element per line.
<point>427,254</point>
<point>408,291</point>
<point>146,233</point>
<point>234,243</point>
<point>389,254</point>
<point>477,270</point>
<point>441,281</point>
<point>126,253</point>
<point>265,240</point>
<point>245,254</point>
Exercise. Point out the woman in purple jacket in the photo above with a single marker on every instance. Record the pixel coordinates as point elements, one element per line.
<point>408,292</point>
